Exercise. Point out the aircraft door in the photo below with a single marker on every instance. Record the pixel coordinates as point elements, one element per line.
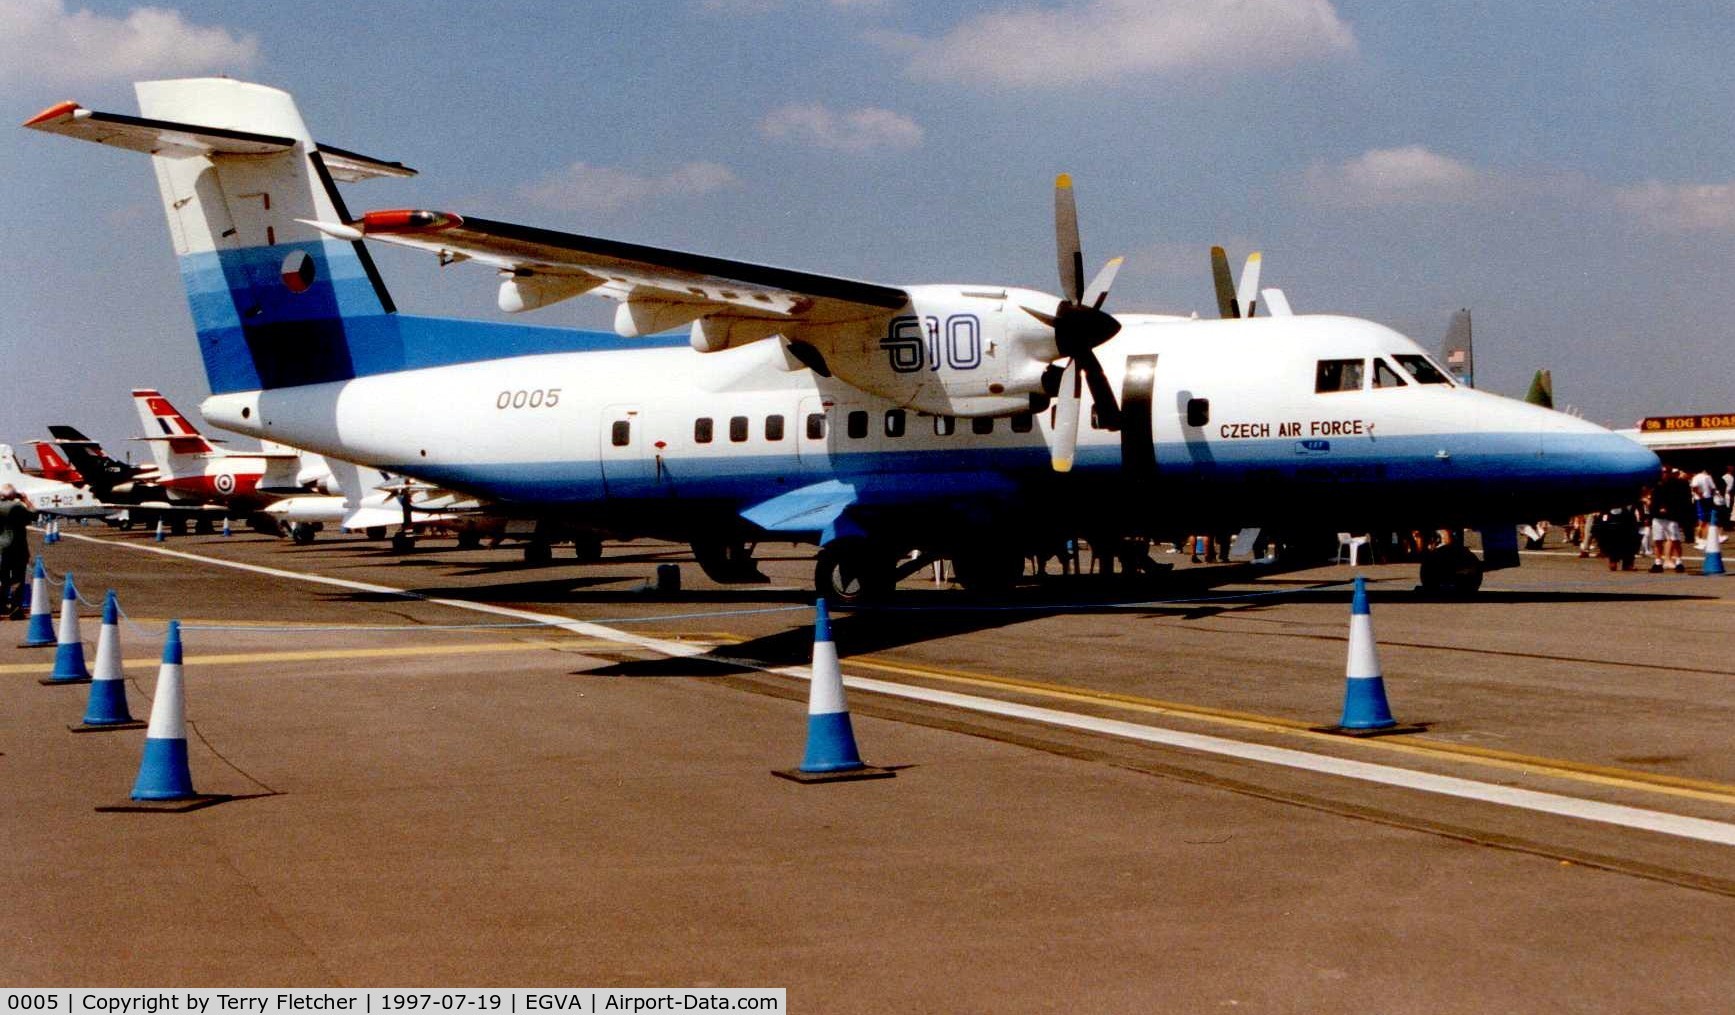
<point>813,435</point>
<point>629,466</point>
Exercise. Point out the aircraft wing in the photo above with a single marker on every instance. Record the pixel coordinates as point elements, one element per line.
<point>661,288</point>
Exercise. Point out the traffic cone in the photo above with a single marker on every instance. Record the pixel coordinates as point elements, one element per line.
<point>69,665</point>
<point>1365,710</point>
<point>163,771</point>
<point>40,633</point>
<point>107,706</point>
<point>1713,549</point>
<point>161,534</point>
<point>225,527</point>
<point>831,752</point>
<point>50,531</point>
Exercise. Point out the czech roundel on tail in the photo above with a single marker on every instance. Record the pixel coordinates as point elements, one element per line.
<point>978,422</point>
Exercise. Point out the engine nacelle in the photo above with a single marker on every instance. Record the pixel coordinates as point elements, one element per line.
<point>953,351</point>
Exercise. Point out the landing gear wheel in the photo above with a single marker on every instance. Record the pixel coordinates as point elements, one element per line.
<point>374,532</point>
<point>587,549</point>
<point>1451,571</point>
<point>301,533</point>
<point>538,552</point>
<point>204,527</point>
<point>403,542</point>
<point>850,572</point>
<point>469,540</point>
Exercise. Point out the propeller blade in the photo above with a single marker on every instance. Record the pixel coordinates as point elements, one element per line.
<point>1066,242</point>
<point>1097,291</point>
<point>1066,420</point>
<point>1047,319</point>
<point>1108,409</point>
<point>1276,304</point>
<point>1224,283</point>
<point>1247,296</point>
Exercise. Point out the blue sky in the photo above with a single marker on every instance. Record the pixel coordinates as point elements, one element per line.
<point>1566,170</point>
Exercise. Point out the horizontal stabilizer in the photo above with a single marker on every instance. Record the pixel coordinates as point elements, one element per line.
<point>153,137</point>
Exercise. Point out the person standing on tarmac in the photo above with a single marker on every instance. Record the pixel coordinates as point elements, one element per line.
<point>15,517</point>
<point>1671,514</point>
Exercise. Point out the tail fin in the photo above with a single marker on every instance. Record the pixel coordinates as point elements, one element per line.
<point>1459,351</point>
<point>53,465</point>
<point>11,469</point>
<point>275,301</point>
<point>176,443</point>
<point>98,469</point>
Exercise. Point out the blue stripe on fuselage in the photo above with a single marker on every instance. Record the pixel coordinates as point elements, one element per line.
<point>255,333</point>
<point>1487,477</point>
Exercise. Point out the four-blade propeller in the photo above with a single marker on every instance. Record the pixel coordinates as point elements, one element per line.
<point>1080,325</point>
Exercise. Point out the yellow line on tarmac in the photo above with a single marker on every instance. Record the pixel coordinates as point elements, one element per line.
<point>1604,775</point>
<point>316,655</point>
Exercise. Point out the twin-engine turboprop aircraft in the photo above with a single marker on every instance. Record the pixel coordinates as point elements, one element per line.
<point>874,420</point>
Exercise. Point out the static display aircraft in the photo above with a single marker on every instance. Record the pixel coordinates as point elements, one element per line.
<point>51,464</point>
<point>886,423</point>
<point>48,496</point>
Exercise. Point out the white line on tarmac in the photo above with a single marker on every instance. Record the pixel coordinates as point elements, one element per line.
<point>1547,803</point>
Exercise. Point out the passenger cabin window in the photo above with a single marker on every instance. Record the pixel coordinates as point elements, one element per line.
<point>816,426</point>
<point>1023,422</point>
<point>1385,376</point>
<point>894,422</point>
<point>621,434</point>
<point>982,425</point>
<point>857,424</point>
<point>702,430</point>
<point>737,428</point>
<point>1198,411</point>
<point>1338,375</point>
<point>1421,368</point>
<point>945,426</point>
<point>774,428</point>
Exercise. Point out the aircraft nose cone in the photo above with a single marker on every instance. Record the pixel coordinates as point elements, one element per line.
<point>1606,468</point>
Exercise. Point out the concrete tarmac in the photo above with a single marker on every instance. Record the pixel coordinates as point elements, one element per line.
<point>430,788</point>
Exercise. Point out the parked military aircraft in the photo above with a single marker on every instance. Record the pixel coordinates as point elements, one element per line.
<point>48,496</point>
<point>886,423</point>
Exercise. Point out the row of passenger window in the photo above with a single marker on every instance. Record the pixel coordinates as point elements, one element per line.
<point>857,422</point>
<point>1351,374</point>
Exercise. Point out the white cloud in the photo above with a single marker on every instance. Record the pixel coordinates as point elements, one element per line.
<point>1398,176</point>
<point>584,187</point>
<point>1679,208</point>
<point>1105,40</point>
<point>44,44</point>
<point>858,131</point>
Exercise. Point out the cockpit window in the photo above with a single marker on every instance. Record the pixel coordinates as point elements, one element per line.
<point>1386,377</point>
<point>1338,375</point>
<point>1421,368</point>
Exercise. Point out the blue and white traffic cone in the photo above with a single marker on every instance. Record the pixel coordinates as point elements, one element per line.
<point>831,750</point>
<point>163,771</point>
<point>1713,548</point>
<point>225,527</point>
<point>69,665</point>
<point>50,531</point>
<point>107,706</point>
<point>40,633</point>
<point>1364,696</point>
<point>161,531</point>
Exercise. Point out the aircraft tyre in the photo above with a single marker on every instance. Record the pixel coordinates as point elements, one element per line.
<point>1451,570</point>
<point>204,527</point>
<point>469,540</point>
<point>301,533</point>
<point>587,548</point>
<point>126,523</point>
<point>538,552</point>
<point>850,572</point>
<point>403,542</point>
<point>374,532</point>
